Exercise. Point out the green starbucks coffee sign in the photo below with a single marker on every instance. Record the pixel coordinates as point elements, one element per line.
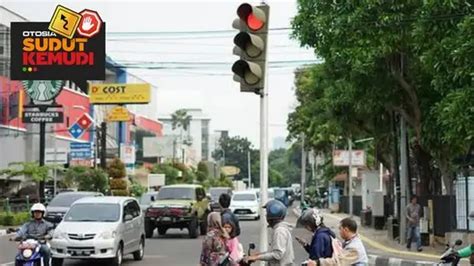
<point>43,90</point>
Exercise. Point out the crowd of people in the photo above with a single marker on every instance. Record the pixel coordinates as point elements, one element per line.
<point>221,245</point>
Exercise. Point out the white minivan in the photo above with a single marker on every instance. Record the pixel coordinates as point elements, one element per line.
<point>245,204</point>
<point>100,228</point>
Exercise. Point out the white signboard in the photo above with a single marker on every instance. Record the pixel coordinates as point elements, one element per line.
<point>341,158</point>
<point>127,154</point>
<point>61,156</point>
<point>158,146</point>
<point>155,180</point>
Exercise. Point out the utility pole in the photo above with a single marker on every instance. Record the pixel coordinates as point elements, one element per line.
<point>42,151</point>
<point>403,179</point>
<point>249,170</point>
<point>303,167</point>
<point>351,204</point>
<point>103,145</point>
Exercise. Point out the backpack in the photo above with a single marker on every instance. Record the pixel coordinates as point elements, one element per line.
<point>336,247</point>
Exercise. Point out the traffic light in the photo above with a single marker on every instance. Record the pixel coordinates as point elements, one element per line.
<point>251,46</point>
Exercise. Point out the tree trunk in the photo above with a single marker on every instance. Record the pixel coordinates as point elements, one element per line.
<point>428,183</point>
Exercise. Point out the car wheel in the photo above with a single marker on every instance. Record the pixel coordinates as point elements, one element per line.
<point>257,218</point>
<point>138,255</point>
<point>162,230</point>
<point>149,228</point>
<point>193,228</point>
<point>57,262</point>
<point>117,261</point>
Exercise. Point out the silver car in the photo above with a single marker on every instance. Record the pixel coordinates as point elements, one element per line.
<point>100,228</point>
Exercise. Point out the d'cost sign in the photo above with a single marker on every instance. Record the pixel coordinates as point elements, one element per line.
<point>119,93</point>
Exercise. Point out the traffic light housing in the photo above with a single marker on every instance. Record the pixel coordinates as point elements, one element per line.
<point>251,46</point>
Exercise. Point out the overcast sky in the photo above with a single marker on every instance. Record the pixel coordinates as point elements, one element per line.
<point>172,33</point>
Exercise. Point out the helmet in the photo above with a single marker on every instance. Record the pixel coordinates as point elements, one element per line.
<point>276,210</point>
<point>38,207</point>
<point>311,217</point>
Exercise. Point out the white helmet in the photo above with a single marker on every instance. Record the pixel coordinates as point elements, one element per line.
<point>38,207</point>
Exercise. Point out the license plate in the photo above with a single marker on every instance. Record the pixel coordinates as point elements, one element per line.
<point>166,219</point>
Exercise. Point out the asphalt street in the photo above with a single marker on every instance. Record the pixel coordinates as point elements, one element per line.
<point>175,248</point>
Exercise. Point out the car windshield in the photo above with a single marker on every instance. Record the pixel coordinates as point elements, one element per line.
<point>215,193</point>
<point>280,193</point>
<point>66,200</point>
<point>176,193</point>
<point>244,197</point>
<point>146,198</point>
<point>93,212</point>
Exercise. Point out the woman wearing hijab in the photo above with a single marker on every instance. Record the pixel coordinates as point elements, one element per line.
<point>214,247</point>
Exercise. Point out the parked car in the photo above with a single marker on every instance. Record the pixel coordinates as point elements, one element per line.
<point>178,206</point>
<point>60,204</point>
<point>245,204</point>
<point>100,228</point>
<point>147,199</point>
<point>215,193</point>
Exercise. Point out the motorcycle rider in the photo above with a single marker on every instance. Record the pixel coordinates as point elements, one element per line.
<point>37,227</point>
<point>321,243</point>
<point>468,251</point>
<point>281,253</point>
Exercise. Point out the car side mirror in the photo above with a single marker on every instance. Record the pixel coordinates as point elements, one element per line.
<point>128,217</point>
<point>152,198</point>
<point>458,242</point>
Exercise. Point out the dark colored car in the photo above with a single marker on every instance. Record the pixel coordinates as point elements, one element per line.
<point>61,203</point>
<point>282,195</point>
<point>216,192</point>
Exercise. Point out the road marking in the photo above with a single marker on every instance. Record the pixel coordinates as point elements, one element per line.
<point>382,247</point>
<point>9,263</point>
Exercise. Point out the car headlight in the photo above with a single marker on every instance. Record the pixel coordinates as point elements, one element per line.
<point>58,234</point>
<point>108,235</point>
<point>27,253</point>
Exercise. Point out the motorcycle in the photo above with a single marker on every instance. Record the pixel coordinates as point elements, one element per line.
<point>450,255</point>
<point>244,262</point>
<point>29,251</point>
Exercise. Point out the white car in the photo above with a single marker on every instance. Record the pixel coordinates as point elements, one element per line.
<point>100,228</point>
<point>245,204</point>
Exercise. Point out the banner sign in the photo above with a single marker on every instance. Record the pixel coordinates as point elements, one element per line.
<point>40,54</point>
<point>30,117</point>
<point>341,158</point>
<point>119,93</point>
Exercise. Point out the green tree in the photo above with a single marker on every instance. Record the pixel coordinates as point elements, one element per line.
<point>171,173</point>
<point>31,170</point>
<point>388,57</point>
<point>235,150</point>
<point>87,179</point>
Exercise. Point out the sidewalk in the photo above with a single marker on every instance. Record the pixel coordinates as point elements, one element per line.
<point>383,250</point>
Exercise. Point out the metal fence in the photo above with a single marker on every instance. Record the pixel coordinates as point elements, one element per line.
<point>16,204</point>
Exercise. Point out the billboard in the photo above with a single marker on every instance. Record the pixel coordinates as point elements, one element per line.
<point>158,146</point>
<point>119,93</point>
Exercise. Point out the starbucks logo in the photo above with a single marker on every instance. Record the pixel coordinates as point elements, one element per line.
<point>43,90</point>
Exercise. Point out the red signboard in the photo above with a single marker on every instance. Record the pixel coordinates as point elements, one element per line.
<point>90,23</point>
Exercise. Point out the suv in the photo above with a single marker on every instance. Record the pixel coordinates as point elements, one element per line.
<point>100,228</point>
<point>178,206</point>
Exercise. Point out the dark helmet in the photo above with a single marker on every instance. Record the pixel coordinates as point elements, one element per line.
<point>311,217</point>
<point>276,210</point>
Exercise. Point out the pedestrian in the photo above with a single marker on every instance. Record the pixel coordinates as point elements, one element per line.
<point>281,247</point>
<point>353,252</point>
<point>224,202</point>
<point>233,245</point>
<point>321,242</point>
<point>214,250</point>
<point>414,212</point>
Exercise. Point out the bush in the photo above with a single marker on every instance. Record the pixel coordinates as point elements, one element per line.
<point>120,192</point>
<point>87,179</point>
<point>118,183</point>
<point>136,189</point>
<point>10,219</point>
<point>117,169</point>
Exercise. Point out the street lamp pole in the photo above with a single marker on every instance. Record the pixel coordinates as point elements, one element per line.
<point>351,209</point>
